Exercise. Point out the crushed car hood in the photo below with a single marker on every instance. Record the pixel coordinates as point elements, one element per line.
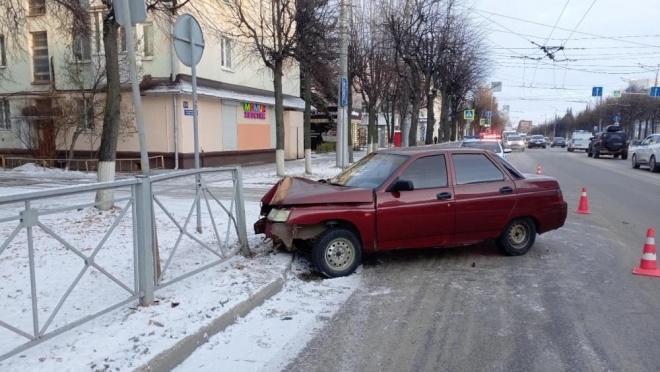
<point>297,191</point>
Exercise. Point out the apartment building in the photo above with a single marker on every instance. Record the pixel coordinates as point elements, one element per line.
<point>52,83</point>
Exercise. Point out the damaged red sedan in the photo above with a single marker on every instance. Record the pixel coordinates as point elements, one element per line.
<point>413,197</point>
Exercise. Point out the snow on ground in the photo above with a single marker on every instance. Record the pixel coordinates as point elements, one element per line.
<point>129,336</point>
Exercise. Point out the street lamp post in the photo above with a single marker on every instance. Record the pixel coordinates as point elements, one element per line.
<point>554,130</point>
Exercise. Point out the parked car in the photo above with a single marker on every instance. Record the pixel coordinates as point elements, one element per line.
<point>515,143</point>
<point>613,141</point>
<point>558,141</point>
<point>647,153</point>
<point>579,140</point>
<point>536,141</point>
<point>490,145</point>
<point>444,196</point>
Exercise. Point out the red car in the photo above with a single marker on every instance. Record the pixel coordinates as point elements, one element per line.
<point>411,197</point>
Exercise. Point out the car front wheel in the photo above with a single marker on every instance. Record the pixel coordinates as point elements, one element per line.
<point>634,162</point>
<point>518,237</point>
<point>653,165</point>
<point>337,252</point>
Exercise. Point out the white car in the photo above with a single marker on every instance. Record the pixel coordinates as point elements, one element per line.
<point>491,145</point>
<point>515,143</point>
<point>647,153</point>
<point>580,140</point>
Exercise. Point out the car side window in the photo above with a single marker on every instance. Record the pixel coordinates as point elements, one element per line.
<point>513,172</point>
<point>648,141</point>
<point>427,172</point>
<point>475,168</point>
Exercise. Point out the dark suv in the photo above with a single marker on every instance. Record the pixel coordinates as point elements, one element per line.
<point>536,141</point>
<point>612,141</point>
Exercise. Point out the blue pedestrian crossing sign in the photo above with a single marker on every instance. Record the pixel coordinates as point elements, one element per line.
<point>655,92</point>
<point>616,94</point>
<point>597,91</point>
<point>468,114</point>
<point>489,114</point>
<point>617,118</point>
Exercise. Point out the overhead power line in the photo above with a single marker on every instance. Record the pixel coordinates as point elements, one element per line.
<point>578,24</point>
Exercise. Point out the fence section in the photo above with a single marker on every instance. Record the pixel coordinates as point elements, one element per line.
<point>52,231</point>
<point>87,165</point>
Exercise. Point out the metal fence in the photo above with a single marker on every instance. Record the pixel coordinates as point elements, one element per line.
<point>87,165</point>
<point>142,215</point>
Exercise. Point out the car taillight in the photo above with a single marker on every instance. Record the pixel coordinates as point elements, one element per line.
<point>600,141</point>
<point>560,195</point>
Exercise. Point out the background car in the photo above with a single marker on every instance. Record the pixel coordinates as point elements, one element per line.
<point>547,140</point>
<point>647,153</point>
<point>558,141</point>
<point>612,141</point>
<point>490,145</point>
<point>536,141</point>
<point>515,143</point>
<point>579,140</point>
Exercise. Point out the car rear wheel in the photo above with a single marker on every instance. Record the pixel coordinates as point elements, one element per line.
<point>337,252</point>
<point>518,237</point>
<point>634,162</point>
<point>624,156</point>
<point>589,153</point>
<point>596,154</point>
<point>653,165</point>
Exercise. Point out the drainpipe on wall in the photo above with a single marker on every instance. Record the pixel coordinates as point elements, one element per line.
<point>176,133</point>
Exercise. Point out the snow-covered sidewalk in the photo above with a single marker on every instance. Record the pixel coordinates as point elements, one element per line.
<point>129,337</point>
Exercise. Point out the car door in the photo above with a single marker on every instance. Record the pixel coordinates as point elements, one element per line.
<point>644,151</point>
<point>423,217</point>
<point>485,197</point>
<point>654,147</point>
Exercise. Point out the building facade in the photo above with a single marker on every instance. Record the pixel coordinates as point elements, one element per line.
<point>52,91</point>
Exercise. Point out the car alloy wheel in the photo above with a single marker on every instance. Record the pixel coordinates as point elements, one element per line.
<point>634,162</point>
<point>518,237</point>
<point>337,252</point>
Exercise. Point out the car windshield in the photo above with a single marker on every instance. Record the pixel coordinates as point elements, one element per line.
<point>514,138</point>
<point>485,145</point>
<point>537,137</point>
<point>558,139</point>
<point>370,172</point>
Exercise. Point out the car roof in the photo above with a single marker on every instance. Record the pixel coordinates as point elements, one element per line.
<point>429,149</point>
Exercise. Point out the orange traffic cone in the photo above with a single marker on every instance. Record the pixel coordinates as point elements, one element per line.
<point>649,265</point>
<point>538,169</point>
<point>583,208</point>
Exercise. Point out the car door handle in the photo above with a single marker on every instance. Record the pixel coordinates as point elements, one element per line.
<point>444,196</point>
<point>506,190</point>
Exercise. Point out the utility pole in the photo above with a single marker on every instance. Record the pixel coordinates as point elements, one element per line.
<point>342,109</point>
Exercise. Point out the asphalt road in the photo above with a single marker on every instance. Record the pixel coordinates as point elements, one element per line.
<point>570,304</point>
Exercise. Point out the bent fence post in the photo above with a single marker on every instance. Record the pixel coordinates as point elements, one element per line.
<point>239,201</point>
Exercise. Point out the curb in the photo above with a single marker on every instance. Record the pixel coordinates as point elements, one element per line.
<point>169,359</point>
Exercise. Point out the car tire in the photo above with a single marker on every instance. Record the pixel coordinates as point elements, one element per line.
<point>624,156</point>
<point>653,165</point>
<point>589,153</point>
<point>596,154</point>
<point>518,237</point>
<point>635,165</point>
<point>345,260</point>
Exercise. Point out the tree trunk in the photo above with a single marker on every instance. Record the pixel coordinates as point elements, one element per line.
<point>430,119</point>
<point>370,127</point>
<point>69,156</point>
<point>279,118</point>
<point>414,120</point>
<point>404,124</point>
<point>393,125</point>
<point>110,133</point>
<point>646,128</point>
<point>444,130</point>
<point>307,125</point>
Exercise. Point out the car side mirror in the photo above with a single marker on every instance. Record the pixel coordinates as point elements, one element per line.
<point>401,185</point>
<point>507,150</point>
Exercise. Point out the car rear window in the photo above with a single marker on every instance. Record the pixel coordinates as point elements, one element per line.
<point>514,138</point>
<point>537,137</point>
<point>475,168</point>
<point>513,172</point>
<point>485,145</point>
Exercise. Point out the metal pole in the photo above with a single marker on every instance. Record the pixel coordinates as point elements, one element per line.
<point>342,127</point>
<point>137,102</point>
<point>145,246</point>
<point>195,124</point>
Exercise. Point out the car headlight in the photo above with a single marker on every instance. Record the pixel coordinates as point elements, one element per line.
<point>278,215</point>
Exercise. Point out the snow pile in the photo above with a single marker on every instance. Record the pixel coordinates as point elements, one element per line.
<point>34,170</point>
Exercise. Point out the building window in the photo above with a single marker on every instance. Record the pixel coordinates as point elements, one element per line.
<point>86,113</point>
<point>5,117</point>
<point>148,39</point>
<point>82,45</point>
<point>40,65</point>
<point>3,52</point>
<point>225,53</point>
<point>97,31</point>
<point>37,7</point>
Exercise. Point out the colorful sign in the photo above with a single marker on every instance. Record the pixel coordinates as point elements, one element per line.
<point>254,110</point>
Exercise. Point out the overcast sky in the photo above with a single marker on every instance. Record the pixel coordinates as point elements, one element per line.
<point>611,39</point>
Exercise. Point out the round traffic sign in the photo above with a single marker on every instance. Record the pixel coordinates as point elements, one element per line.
<point>188,40</point>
